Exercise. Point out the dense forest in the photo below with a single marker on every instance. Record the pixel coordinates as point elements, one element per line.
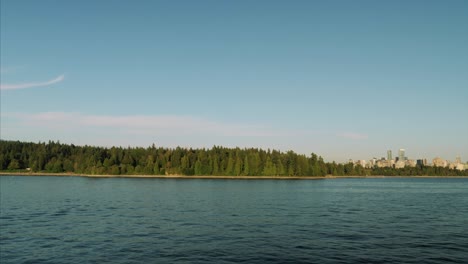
<point>54,157</point>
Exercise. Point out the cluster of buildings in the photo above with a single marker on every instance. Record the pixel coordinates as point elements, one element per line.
<point>402,161</point>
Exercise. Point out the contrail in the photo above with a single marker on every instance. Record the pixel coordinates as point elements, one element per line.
<point>32,84</point>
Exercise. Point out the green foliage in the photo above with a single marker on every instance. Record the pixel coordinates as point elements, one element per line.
<point>14,165</point>
<point>198,168</point>
<point>55,157</point>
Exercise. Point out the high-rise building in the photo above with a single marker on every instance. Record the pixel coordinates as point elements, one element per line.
<point>438,162</point>
<point>401,154</point>
<point>389,155</point>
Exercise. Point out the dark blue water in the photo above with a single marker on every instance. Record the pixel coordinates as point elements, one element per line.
<point>85,220</point>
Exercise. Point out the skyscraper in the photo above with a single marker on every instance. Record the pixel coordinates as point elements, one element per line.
<point>401,154</point>
<point>389,155</point>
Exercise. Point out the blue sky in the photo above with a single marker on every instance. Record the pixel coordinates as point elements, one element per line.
<point>343,79</point>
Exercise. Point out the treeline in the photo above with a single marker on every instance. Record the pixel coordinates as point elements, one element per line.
<point>54,157</point>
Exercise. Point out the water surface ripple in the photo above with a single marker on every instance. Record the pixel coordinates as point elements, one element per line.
<point>86,220</point>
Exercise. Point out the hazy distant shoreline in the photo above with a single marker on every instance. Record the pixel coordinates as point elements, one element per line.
<point>213,177</point>
<point>164,176</point>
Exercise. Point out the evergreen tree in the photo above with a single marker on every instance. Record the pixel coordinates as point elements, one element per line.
<point>14,165</point>
<point>198,168</point>
<point>238,166</point>
<point>246,165</point>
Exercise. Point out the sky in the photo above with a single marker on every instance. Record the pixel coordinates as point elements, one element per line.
<point>342,79</point>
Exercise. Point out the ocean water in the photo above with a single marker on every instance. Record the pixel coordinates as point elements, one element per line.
<point>118,220</point>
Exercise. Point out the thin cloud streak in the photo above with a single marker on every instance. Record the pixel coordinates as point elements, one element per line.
<point>144,124</point>
<point>162,125</point>
<point>31,84</point>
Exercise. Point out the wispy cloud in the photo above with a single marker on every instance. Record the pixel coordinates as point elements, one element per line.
<point>354,136</point>
<point>144,124</point>
<point>16,86</point>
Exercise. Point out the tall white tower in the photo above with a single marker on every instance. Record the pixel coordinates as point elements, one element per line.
<point>401,154</point>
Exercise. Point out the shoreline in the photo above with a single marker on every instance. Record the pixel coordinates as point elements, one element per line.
<point>161,176</point>
<point>214,177</point>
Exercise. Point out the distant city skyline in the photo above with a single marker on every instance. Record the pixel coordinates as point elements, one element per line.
<point>402,161</point>
<point>402,153</point>
<point>337,78</point>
